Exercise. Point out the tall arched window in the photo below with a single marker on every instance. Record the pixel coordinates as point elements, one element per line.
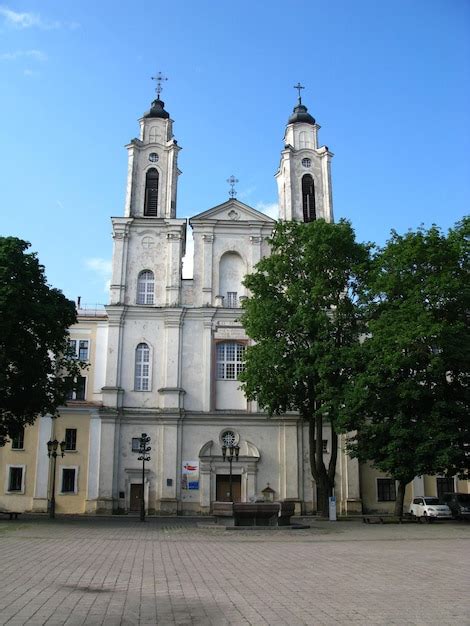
<point>142,368</point>
<point>145,287</point>
<point>308,198</point>
<point>302,139</point>
<point>151,192</point>
<point>230,360</point>
<point>153,134</point>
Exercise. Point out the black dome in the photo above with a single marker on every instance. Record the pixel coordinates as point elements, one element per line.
<point>301,114</point>
<point>158,110</point>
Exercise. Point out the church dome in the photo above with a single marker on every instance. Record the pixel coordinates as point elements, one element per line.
<point>157,110</point>
<point>301,114</point>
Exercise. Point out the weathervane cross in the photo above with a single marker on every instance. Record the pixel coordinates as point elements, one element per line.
<point>232,181</point>
<point>159,78</point>
<point>299,87</point>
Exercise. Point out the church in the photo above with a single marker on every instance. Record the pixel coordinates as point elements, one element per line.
<point>164,356</point>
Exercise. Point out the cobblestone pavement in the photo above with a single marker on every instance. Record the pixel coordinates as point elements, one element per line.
<point>120,571</point>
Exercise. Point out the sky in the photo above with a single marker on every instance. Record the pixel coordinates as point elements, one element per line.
<point>387,81</point>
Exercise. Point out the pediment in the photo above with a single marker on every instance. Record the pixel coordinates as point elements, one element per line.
<point>232,211</point>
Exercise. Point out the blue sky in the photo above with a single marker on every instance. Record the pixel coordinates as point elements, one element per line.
<point>387,81</point>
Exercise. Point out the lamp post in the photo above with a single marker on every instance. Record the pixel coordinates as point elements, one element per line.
<point>233,450</point>
<point>143,449</point>
<point>52,447</point>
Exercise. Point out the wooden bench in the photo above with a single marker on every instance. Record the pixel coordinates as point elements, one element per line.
<point>11,514</point>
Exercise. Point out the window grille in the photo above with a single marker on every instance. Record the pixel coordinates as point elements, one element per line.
<point>386,490</point>
<point>78,392</point>
<point>142,368</point>
<point>308,198</point>
<point>230,360</point>
<point>232,299</point>
<point>145,287</point>
<point>80,348</point>
<point>151,193</point>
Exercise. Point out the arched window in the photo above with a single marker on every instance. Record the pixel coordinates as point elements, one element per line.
<point>153,134</point>
<point>142,368</point>
<point>145,287</point>
<point>230,359</point>
<point>302,139</point>
<point>308,198</point>
<point>151,192</point>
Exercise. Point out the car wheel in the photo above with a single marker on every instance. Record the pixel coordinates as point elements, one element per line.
<point>425,516</point>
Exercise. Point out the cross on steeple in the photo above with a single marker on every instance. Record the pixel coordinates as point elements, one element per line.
<point>159,78</point>
<point>299,87</point>
<point>232,181</point>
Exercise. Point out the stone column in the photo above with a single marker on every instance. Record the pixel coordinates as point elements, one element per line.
<point>207,361</point>
<point>42,464</point>
<point>94,451</point>
<point>173,269</point>
<point>208,242</point>
<point>121,240</point>
<point>106,464</point>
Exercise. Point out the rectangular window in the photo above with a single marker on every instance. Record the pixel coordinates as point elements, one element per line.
<point>135,444</point>
<point>70,439</point>
<point>17,442</point>
<point>232,299</point>
<point>68,480</point>
<point>15,481</point>
<point>229,360</point>
<point>80,348</point>
<point>444,485</point>
<point>386,490</point>
<point>79,390</point>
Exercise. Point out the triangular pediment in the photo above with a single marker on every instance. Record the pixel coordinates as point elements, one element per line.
<point>232,211</point>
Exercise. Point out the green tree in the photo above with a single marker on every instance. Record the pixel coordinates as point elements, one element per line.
<point>408,392</point>
<point>302,316</point>
<point>35,369</point>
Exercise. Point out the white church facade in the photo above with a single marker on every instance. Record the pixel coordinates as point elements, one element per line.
<point>165,354</point>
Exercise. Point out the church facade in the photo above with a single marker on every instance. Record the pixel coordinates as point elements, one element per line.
<point>165,354</point>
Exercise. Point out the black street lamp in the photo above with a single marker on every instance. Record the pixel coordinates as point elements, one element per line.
<point>143,449</point>
<point>52,447</point>
<point>232,450</point>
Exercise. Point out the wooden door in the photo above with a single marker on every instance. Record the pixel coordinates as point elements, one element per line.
<point>223,488</point>
<point>135,497</point>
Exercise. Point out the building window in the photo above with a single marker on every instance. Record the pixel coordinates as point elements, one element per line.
<point>230,359</point>
<point>386,490</point>
<point>308,198</point>
<point>232,299</point>
<point>78,392</point>
<point>135,444</point>
<point>153,134</point>
<point>69,480</point>
<point>444,485</point>
<point>151,192</point>
<point>70,439</point>
<point>16,478</point>
<point>80,348</point>
<point>229,438</point>
<point>142,368</point>
<point>145,287</point>
<point>306,162</point>
<point>17,442</point>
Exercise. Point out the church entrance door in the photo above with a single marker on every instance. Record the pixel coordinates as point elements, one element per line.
<point>135,497</point>
<point>223,488</point>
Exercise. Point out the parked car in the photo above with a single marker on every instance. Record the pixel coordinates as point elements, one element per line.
<point>459,504</point>
<point>429,509</point>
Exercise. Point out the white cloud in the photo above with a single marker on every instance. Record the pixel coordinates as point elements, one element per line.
<point>31,20</point>
<point>271,209</point>
<point>102,268</point>
<point>36,55</point>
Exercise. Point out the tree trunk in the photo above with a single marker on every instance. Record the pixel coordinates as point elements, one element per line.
<point>322,477</point>
<point>324,491</point>
<point>400,497</point>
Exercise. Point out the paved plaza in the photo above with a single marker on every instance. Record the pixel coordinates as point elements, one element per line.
<point>179,571</point>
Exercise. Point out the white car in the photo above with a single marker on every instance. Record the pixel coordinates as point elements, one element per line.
<point>429,509</point>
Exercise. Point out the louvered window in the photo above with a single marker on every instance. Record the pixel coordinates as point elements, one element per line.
<point>151,193</point>
<point>308,198</point>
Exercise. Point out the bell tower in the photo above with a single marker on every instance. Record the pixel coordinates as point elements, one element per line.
<point>153,164</point>
<point>304,176</point>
